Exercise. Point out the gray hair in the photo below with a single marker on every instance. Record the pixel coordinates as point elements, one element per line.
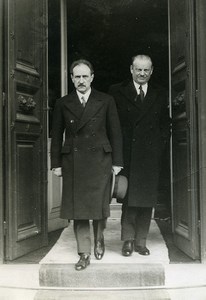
<point>81,62</point>
<point>142,56</point>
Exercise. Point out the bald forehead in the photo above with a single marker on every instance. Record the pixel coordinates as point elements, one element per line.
<point>142,59</point>
<point>81,68</point>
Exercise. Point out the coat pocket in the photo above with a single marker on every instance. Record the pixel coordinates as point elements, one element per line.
<point>107,148</point>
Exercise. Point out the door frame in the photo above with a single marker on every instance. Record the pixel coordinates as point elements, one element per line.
<point>54,221</point>
<point>64,53</point>
<point>1,137</point>
<point>200,96</point>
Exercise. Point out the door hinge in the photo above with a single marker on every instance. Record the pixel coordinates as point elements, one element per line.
<point>5,228</point>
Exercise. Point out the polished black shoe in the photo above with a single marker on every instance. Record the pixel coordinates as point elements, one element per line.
<point>83,262</point>
<point>127,248</point>
<point>99,249</point>
<point>142,250</point>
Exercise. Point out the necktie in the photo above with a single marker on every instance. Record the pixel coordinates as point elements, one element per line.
<point>83,101</point>
<point>141,93</point>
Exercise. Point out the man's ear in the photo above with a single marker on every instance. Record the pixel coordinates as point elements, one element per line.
<point>72,78</point>
<point>152,70</point>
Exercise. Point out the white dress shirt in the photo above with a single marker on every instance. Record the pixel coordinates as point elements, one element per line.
<point>86,95</point>
<point>144,88</point>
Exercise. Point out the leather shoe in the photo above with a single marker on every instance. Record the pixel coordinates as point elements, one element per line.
<point>142,250</point>
<point>127,248</point>
<point>99,249</point>
<point>83,262</point>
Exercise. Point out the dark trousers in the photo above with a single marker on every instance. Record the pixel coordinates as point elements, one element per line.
<point>82,234</point>
<point>135,223</point>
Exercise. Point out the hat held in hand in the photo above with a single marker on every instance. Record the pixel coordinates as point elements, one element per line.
<point>119,186</point>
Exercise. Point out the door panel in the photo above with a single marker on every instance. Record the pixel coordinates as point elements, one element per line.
<point>184,137</point>
<point>26,127</point>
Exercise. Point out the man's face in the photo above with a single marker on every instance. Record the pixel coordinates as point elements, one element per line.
<point>82,78</point>
<point>141,70</point>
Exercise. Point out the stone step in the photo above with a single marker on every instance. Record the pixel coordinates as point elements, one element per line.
<point>102,295</point>
<point>114,270</point>
<point>102,275</point>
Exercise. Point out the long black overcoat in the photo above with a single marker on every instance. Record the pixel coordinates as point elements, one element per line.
<point>145,129</point>
<point>92,144</point>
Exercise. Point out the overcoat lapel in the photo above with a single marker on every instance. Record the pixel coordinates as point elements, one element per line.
<point>130,93</point>
<point>83,114</point>
<point>93,105</point>
<point>74,105</point>
<point>150,98</point>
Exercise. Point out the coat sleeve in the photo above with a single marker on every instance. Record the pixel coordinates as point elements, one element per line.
<point>57,135</point>
<point>114,133</point>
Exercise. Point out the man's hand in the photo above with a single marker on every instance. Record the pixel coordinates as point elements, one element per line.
<point>116,169</point>
<point>57,171</point>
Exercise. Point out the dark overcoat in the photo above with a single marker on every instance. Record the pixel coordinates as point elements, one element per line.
<point>145,129</point>
<point>86,142</point>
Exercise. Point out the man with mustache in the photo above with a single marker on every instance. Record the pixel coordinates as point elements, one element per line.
<point>145,122</point>
<point>85,157</point>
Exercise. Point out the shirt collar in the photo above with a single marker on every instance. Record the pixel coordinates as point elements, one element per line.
<point>144,87</point>
<point>86,95</point>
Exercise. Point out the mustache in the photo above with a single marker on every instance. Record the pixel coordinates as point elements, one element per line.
<point>81,85</point>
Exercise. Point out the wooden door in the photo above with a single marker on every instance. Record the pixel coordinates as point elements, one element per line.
<point>184,134</point>
<point>200,10</point>
<point>26,126</point>
<point>1,137</point>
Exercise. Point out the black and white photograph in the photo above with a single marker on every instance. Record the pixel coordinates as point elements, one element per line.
<point>103,150</point>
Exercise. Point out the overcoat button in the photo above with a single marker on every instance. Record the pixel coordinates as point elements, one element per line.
<point>134,140</point>
<point>75,149</point>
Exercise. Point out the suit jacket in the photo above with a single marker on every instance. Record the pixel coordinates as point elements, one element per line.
<point>146,130</point>
<point>92,144</point>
